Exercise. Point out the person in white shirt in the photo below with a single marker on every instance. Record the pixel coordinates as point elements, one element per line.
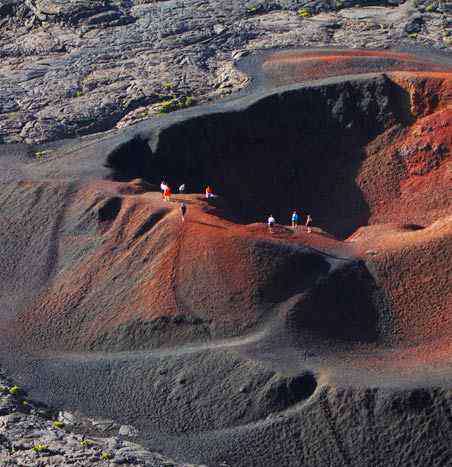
<point>271,222</point>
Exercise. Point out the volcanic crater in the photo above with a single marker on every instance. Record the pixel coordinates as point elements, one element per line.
<point>219,339</point>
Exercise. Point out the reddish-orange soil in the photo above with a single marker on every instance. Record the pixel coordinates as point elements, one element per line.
<point>406,175</point>
<point>119,270</point>
<point>138,277</point>
<point>291,67</point>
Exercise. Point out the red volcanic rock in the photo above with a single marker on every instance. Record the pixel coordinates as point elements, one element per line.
<point>290,67</point>
<point>406,174</point>
<point>428,92</point>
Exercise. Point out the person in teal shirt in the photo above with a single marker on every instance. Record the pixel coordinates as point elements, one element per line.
<point>295,220</point>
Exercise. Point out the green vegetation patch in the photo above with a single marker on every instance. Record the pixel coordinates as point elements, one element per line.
<point>40,448</point>
<point>176,104</point>
<point>304,13</point>
<point>253,9</point>
<point>40,155</point>
<point>15,390</point>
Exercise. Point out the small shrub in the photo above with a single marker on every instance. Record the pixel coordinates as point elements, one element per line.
<point>105,456</point>
<point>57,424</point>
<point>86,443</point>
<point>40,155</point>
<point>168,85</point>
<point>78,93</point>
<point>176,104</point>
<point>413,35</point>
<point>15,390</point>
<point>4,389</point>
<point>430,8</point>
<point>185,102</point>
<point>252,9</point>
<point>40,448</point>
<point>304,13</point>
<point>25,403</point>
<point>167,106</point>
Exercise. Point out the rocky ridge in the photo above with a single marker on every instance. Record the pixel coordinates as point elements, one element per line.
<point>70,68</point>
<point>34,435</point>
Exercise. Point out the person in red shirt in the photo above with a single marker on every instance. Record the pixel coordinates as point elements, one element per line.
<point>163,187</point>
<point>167,193</point>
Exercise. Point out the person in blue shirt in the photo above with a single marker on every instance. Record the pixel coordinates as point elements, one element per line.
<point>295,220</point>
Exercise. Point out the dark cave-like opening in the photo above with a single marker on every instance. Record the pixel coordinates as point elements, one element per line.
<point>300,148</point>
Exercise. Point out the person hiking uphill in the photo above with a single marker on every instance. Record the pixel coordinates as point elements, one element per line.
<point>295,220</point>
<point>183,211</point>
<point>308,223</point>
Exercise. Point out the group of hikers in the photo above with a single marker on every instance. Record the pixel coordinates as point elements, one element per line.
<point>271,221</point>
<point>166,194</point>
<point>296,222</point>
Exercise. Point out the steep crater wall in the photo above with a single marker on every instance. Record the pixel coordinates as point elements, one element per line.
<point>296,148</point>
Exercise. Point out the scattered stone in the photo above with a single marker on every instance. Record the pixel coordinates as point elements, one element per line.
<point>128,430</point>
<point>29,439</point>
<point>414,25</point>
<point>104,425</point>
<point>67,418</point>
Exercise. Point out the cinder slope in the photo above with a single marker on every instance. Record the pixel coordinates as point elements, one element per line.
<point>126,273</point>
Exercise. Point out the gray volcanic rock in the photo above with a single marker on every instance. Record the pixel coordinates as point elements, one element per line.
<point>29,436</point>
<point>79,12</point>
<point>70,68</point>
<point>414,24</point>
